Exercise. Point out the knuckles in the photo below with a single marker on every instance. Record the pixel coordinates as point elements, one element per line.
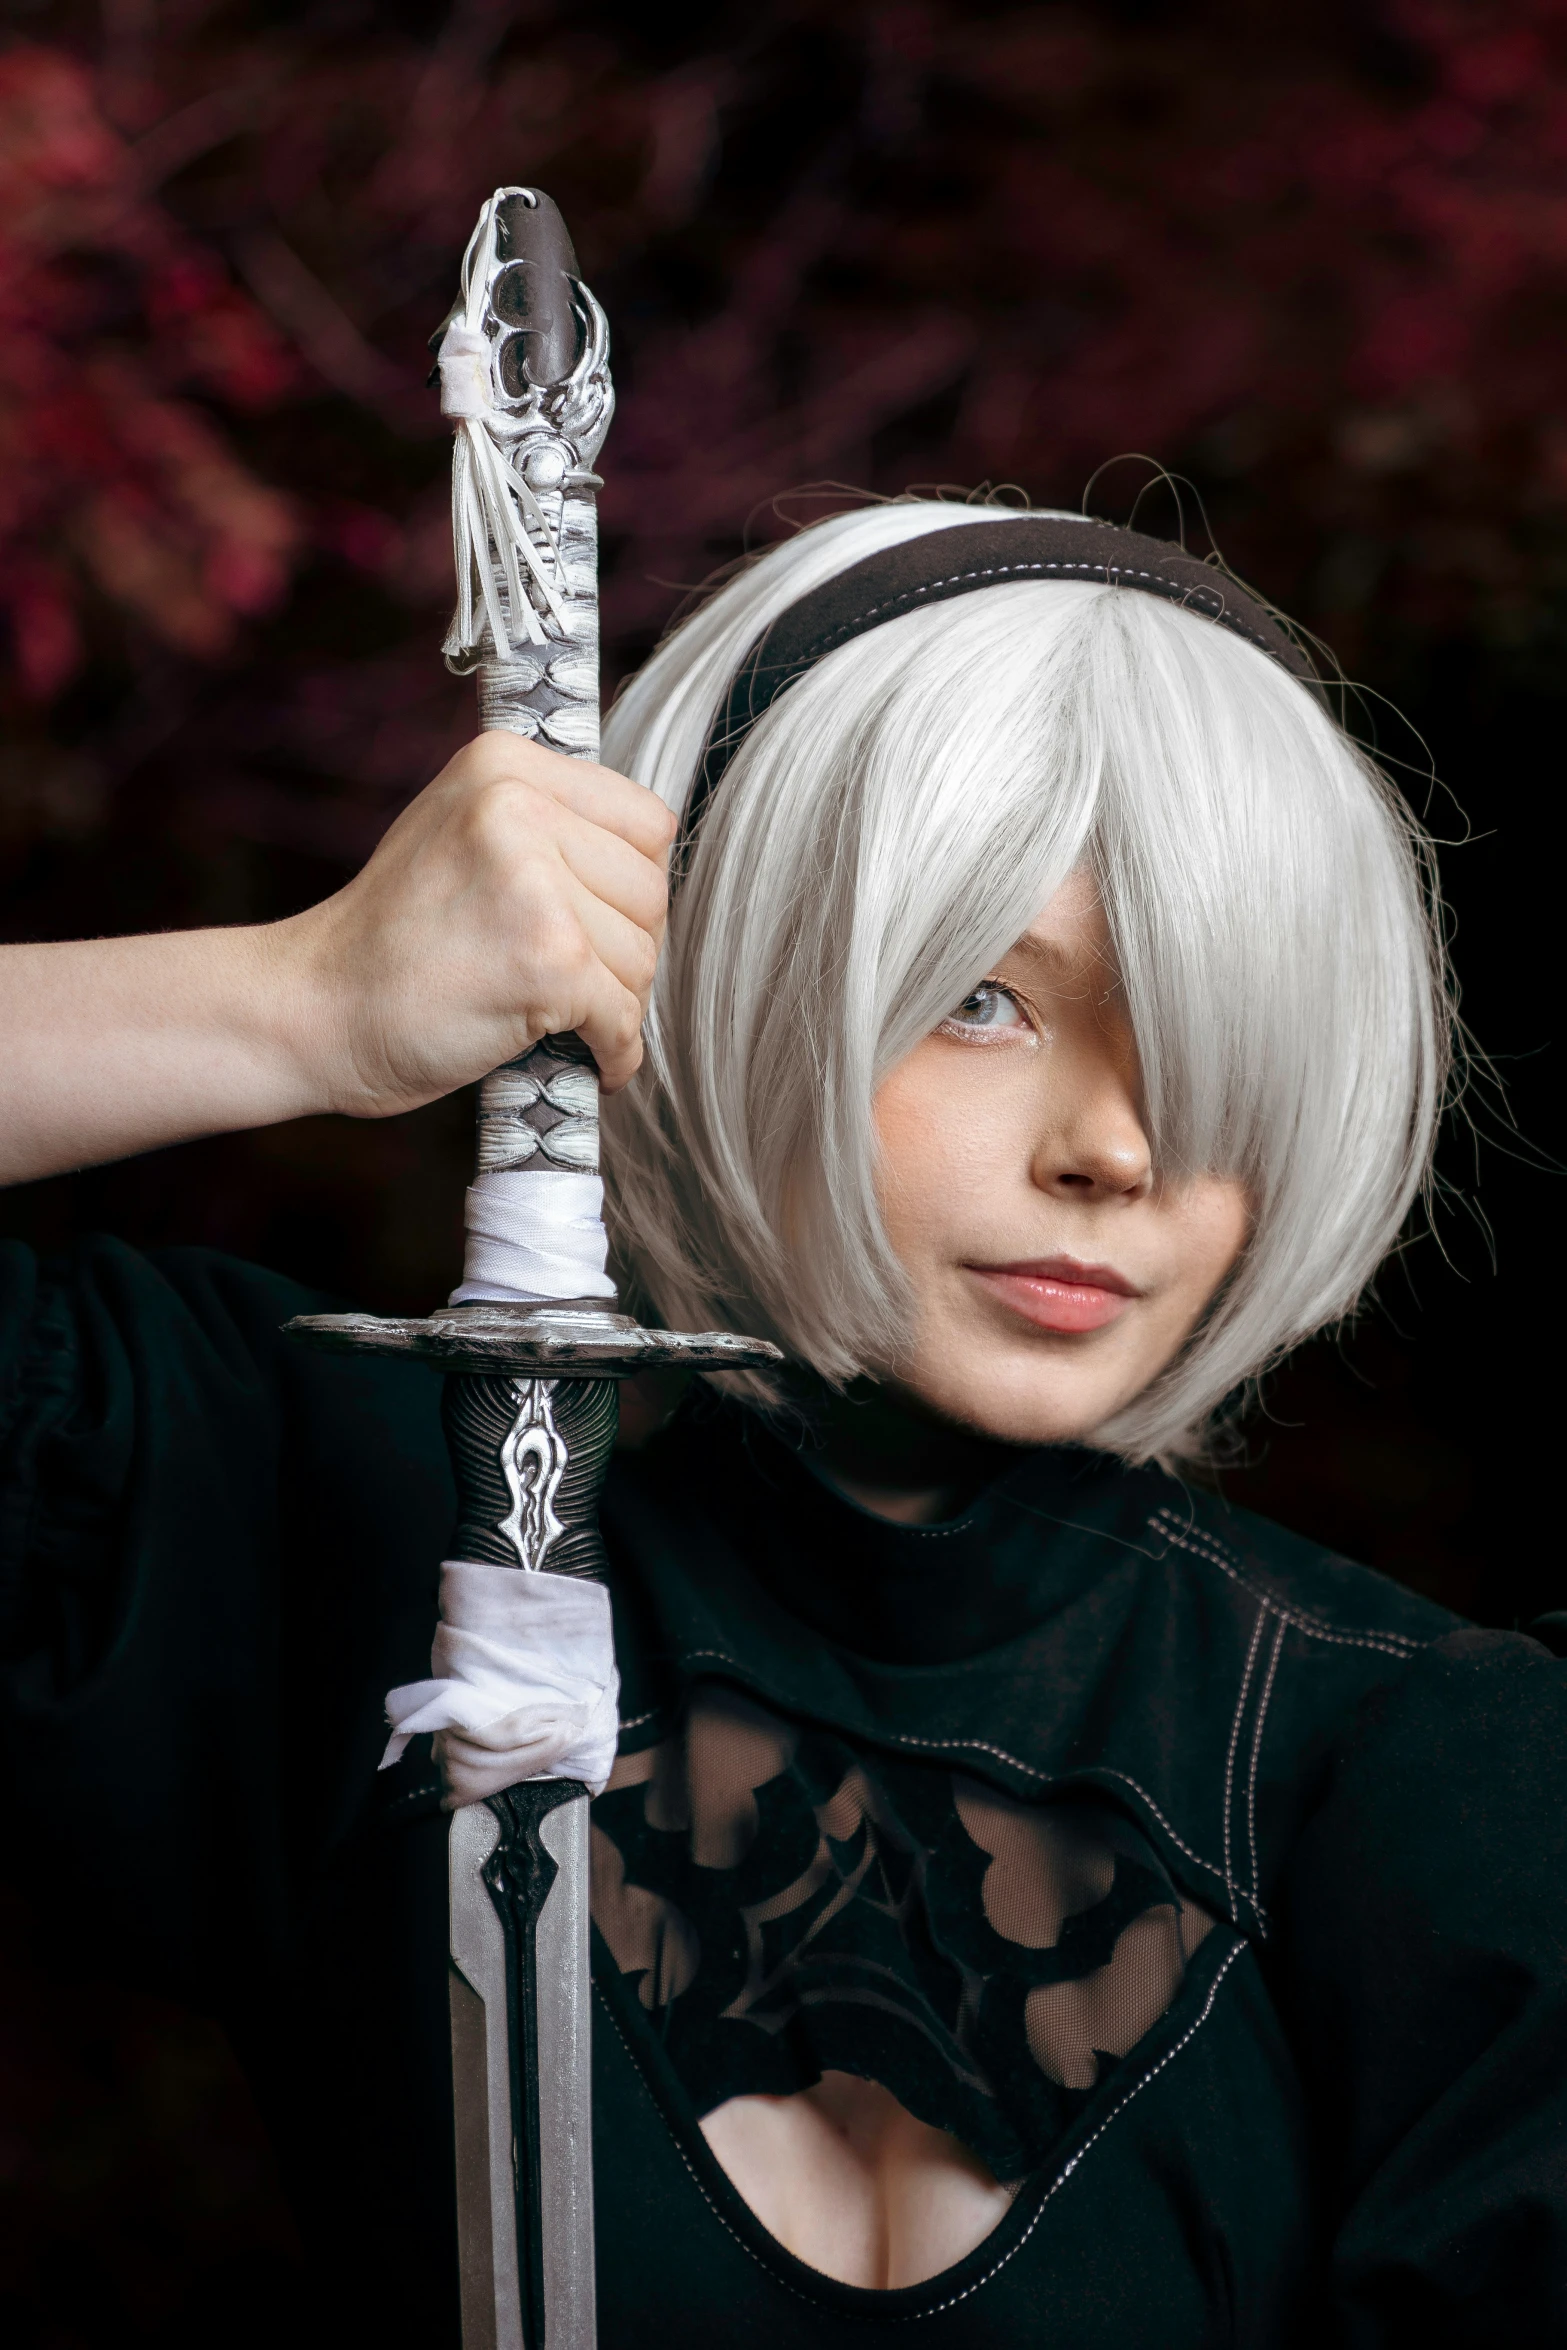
<point>498,760</point>
<point>504,815</point>
<point>552,951</point>
<point>643,958</point>
<point>498,756</point>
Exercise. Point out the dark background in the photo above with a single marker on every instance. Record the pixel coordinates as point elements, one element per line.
<point>1314,262</point>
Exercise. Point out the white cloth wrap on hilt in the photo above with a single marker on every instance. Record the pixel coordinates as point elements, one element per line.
<point>535,1210</point>
<point>523,1682</point>
<point>534,1236</point>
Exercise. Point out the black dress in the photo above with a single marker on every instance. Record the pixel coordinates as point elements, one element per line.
<point>1212,1890</point>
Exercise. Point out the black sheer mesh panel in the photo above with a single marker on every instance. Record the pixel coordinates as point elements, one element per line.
<point>790,1907</point>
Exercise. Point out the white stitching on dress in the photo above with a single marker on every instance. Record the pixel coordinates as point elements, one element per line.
<point>1205,1547</point>
<point>1305,1618</point>
<point>1251,1778</point>
<point>1217,1874</point>
<point>915,2316</point>
<point>1136,2090</point>
<point>1014,1762</point>
<point>1229,1760</point>
<point>729,2229</point>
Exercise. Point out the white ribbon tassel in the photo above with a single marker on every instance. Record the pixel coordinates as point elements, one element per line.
<point>524,1683</point>
<point>497,521</point>
<point>534,1233</point>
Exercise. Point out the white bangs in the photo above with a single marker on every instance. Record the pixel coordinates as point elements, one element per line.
<point>893,824</point>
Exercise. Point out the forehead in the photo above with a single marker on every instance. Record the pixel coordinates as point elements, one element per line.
<point>1070,936</point>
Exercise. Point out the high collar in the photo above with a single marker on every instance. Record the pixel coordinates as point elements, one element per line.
<point>1080,1624</point>
<point>902,1595</point>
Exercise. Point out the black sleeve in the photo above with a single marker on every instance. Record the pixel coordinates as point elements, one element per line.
<point>1426,1939</point>
<point>217,1551</point>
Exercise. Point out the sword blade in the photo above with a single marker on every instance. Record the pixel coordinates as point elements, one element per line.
<point>521,2069</point>
<point>563,2080</point>
<point>481,2091</point>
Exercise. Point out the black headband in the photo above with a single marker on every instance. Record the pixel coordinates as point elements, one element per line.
<point>953,562</point>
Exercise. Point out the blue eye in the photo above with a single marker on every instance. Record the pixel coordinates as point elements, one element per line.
<point>990,1009</point>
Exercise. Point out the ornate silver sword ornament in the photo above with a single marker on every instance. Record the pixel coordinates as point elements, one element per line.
<point>531,1401</point>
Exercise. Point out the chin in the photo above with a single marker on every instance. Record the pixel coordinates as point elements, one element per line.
<point>1017,1396</point>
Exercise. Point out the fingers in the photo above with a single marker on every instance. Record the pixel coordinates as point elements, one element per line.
<point>612,1030</point>
<point>614,873</point>
<point>578,964</point>
<point>597,794</point>
<point>624,951</point>
<point>515,803</point>
<point>627,951</point>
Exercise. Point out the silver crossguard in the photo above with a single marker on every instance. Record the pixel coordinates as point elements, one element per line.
<point>531,1400</point>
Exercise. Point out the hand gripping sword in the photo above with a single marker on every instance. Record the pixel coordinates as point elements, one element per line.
<point>531,1400</point>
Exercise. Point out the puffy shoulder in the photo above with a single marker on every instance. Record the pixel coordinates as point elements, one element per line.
<point>214,1545</point>
<point>1441,1830</point>
<point>154,1420</point>
<point>1421,1951</point>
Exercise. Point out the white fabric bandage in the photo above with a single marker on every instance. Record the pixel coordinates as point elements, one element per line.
<point>464,362</point>
<point>524,1685</point>
<point>534,1233</point>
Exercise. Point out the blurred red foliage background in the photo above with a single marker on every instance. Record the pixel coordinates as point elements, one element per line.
<point>1314,262</point>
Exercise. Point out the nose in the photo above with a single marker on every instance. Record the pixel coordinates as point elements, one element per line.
<point>1095,1150</point>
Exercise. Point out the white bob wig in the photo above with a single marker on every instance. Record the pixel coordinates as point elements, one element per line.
<point>893,824</point>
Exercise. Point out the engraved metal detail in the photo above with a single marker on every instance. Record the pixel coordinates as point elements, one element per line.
<point>533,1462</point>
<point>506,1497</point>
<point>565,1340</point>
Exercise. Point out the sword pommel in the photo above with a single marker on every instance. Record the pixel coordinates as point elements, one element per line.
<point>543,329</point>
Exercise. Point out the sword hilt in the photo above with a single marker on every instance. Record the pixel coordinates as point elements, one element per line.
<point>531,1411</point>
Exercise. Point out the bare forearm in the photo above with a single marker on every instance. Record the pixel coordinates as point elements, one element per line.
<point>522,892</point>
<point>111,1046</point>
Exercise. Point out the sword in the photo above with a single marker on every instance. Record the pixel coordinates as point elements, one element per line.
<point>531,1400</point>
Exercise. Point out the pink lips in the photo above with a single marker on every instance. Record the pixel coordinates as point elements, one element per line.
<point>1058,1293</point>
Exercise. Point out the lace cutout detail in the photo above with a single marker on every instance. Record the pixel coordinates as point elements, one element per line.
<point>788,1906</point>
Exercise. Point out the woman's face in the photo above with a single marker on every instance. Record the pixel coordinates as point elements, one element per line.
<point>1054,1274</point>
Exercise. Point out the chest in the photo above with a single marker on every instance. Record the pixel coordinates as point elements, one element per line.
<point>851,2183</point>
<point>900,2045</point>
<point>1177,2209</point>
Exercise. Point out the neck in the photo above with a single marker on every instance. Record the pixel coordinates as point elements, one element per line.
<point>883,1450</point>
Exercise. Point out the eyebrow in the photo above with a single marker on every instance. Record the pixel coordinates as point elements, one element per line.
<point>1054,962</point>
<point>1045,953</point>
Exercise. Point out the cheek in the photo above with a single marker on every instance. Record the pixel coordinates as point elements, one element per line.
<point>908,1156</point>
<point>1217,1224</point>
<point>928,1157</point>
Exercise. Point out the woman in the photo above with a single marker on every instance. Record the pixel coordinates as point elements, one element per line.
<point>1033,1900</point>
